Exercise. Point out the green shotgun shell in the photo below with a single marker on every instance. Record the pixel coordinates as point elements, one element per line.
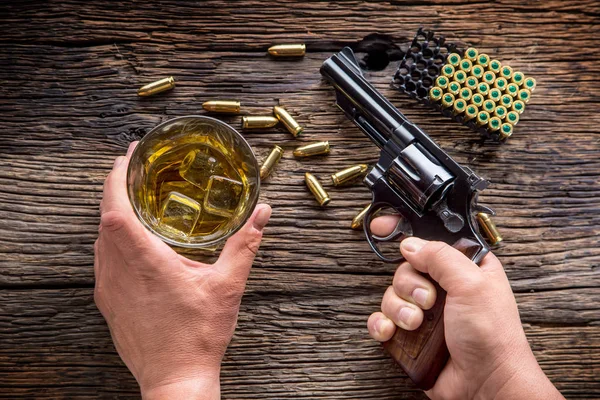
<point>460,76</point>
<point>471,54</point>
<point>454,88</point>
<point>483,60</point>
<point>518,78</point>
<point>447,100</point>
<point>459,106</point>
<point>357,222</point>
<point>482,118</point>
<point>442,82</point>
<point>156,87</point>
<point>494,66</point>
<point>501,83</point>
<point>483,88</point>
<point>506,72</point>
<point>435,93</point>
<point>506,100</point>
<point>495,94</point>
<point>477,71</point>
<point>524,95</point>
<point>494,124</point>
<point>316,189</point>
<point>489,77</point>
<point>348,174</point>
<point>489,106</point>
<point>448,71</point>
<point>466,65</point>
<point>500,112</point>
<point>512,89</point>
<point>471,112</point>
<point>471,83</point>
<point>506,130</point>
<point>312,149</point>
<point>290,123</point>
<point>465,94</point>
<point>512,117</point>
<point>477,100</point>
<point>529,84</point>
<point>454,60</point>
<point>518,106</point>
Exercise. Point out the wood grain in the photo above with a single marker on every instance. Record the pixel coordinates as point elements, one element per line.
<point>68,107</point>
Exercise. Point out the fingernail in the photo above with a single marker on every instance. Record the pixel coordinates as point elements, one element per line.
<point>378,326</point>
<point>118,161</point>
<point>420,295</point>
<point>262,217</point>
<point>412,244</point>
<point>405,314</point>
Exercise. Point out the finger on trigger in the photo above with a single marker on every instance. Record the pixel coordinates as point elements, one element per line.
<point>384,225</point>
<point>404,314</point>
<point>381,328</point>
<point>410,285</point>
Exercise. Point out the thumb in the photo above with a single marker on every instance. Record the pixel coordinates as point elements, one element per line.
<point>239,251</point>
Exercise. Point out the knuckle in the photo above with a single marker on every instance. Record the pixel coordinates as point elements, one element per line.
<point>113,221</point>
<point>437,251</point>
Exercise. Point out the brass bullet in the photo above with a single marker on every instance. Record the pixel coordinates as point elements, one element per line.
<point>270,162</point>
<point>460,76</point>
<point>489,228</point>
<point>489,106</point>
<point>459,106</point>
<point>157,87</point>
<point>483,88</point>
<point>466,65</point>
<point>506,72</point>
<point>524,95</point>
<point>495,94</point>
<point>454,60</point>
<point>482,118</point>
<point>312,149</point>
<point>501,83</point>
<point>477,71</point>
<point>288,50</point>
<point>506,100</point>
<point>448,71</point>
<point>512,117</point>
<point>436,92</point>
<point>483,60</point>
<point>494,124</point>
<point>530,84</point>
<point>477,100</point>
<point>454,88</point>
<point>500,112</point>
<point>518,106</point>
<point>442,82</point>
<point>495,66</point>
<point>466,94</point>
<point>512,89</point>
<point>489,77</point>
<point>518,78</point>
<point>348,174</point>
<point>447,100</point>
<point>471,54</point>
<point>357,222</point>
<point>287,120</point>
<point>258,122</point>
<point>506,130</point>
<point>471,112</point>
<point>317,190</point>
<point>472,83</point>
<point>222,106</point>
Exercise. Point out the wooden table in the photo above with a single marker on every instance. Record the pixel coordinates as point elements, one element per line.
<point>68,107</point>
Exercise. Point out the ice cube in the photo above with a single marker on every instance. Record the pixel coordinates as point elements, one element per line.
<point>179,214</point>
<point>198,166</point>
<point>222,195</point>
<point>183,187</point>
<point>207,224</point>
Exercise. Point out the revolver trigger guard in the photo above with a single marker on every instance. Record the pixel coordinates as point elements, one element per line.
<point>373,239</point>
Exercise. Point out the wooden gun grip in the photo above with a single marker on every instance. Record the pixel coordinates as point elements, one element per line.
<point>422,353</point>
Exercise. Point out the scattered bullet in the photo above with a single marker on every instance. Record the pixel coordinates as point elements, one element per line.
<point>270,162</point>
<point>316,189</point>
<point>348,174</point>
<point>259,122</point>
<point>312,149</point>
<point>157,87</point>
<point>288,50</point>
<point>290,123</point>
<point>222,106</point>
<point>357,222</point>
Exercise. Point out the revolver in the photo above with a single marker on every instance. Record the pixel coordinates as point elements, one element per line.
<point>434,196</point>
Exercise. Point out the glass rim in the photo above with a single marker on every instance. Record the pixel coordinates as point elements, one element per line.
<point>214,242</point>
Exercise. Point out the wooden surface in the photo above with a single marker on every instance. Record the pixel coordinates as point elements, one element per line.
<point>68,107</point>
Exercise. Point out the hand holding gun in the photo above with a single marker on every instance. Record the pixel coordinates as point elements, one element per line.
<point>435,197</point>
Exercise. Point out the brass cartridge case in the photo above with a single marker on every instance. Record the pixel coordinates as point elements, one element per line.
<point>483,60</point>
<point>471,54</point>
<point>506,72</point>
<point>494,66</point>
<point>489,228</point>
<point>477,100</point>
<point>472,83</point>
<point>524,95</point>
<point>459,106</point>
<point>501,83</point>
<point>288,50</point>
<point>448,71</point>
<point>489,77</point>
<point>483,89</point>
<point>357,222</point>
<point>489,106</point>
<point>495,94</point>
<point>222,106</point>
<point>477,71</point>
<point>512,117</point>
<point>500,112</point>
<point>530,84</point>
<point>471,112</point>
<point>348,174</point>
<point>466,65</point>
<point>482,118</point>
<point>518,78</point>
<point>512,89</point>
<point>442,82</point>
<point>465,94</point>
<point>270,162</point>
<point>290,123</point>
<point>518,106</point>
<point>436,92</point>
<point>447,100</point>
<point>506,129</point>
<point>454,60</point>
<point>460,76</point>
<point>312,149</point>
<point>258,122</point>
<point>494,124</point>
<point>506,100</point>
<point>316,189</point>
<point>454,88</point>
<point>156,87</point>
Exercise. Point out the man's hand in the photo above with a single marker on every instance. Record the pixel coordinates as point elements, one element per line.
<point>490,357</point>
<point>170,318</point>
